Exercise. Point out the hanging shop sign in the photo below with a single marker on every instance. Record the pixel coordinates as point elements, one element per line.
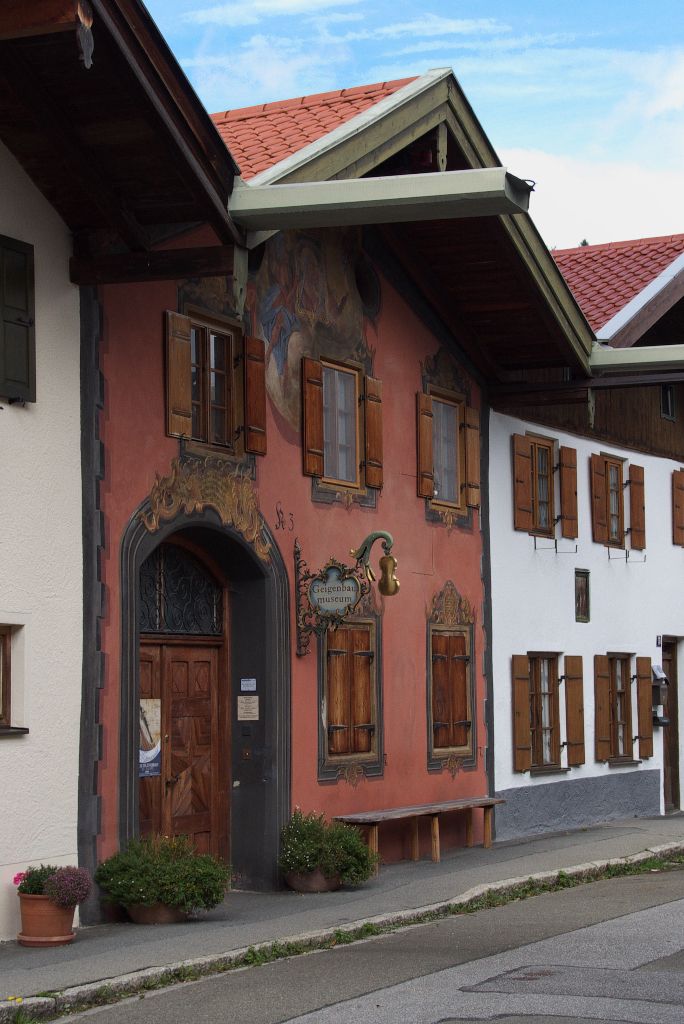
<point>327,597</point>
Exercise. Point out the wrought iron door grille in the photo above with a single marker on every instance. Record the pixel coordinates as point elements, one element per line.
<point>176,596</point>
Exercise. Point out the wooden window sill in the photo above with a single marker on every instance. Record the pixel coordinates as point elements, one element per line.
<point>13,730</point>
<point>549,769</point>
<point>622,762</point>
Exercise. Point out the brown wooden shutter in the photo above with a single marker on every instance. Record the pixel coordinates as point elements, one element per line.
<point>17,328</point>
<point>574,709</point>
<point>644,707</point>
<point>373,431</point>
<point>361,657</point>
<point>426,475</point>
<point>255,396</point>
<point>568,490</point>
<point>458,678</point>
<point>602,706</point>
<point>678,507</point>
<point>637,508</point>
<point>312,416</point>
<point>339,696</point>
<point>522,736</point>
<point>441,694</point>
<point>178,375</point>
<point>472,459</point>
<point>523,515</point>
<point>599,509</point>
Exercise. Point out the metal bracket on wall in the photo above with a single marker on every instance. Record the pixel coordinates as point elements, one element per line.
<point>309,621</point>
<point>240,254</point>
<point>629,556</point>
<point>553,546</point>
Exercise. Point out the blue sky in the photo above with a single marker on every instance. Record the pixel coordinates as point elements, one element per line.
<point>586,98</point>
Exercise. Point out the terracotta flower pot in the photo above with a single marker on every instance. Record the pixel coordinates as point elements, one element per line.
<point>43,923</point>
<point>313,881</point>
<point>158,913</point>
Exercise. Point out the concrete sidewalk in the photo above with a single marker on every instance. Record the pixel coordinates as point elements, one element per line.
<point>108,951</point>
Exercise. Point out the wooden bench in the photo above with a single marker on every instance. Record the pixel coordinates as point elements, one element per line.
<point>373,819</point>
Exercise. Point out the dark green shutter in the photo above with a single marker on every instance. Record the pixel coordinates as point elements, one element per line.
<point>18,337</point>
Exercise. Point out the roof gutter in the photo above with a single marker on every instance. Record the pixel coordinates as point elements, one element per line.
<point>483,192</point>
<point>651,359</point>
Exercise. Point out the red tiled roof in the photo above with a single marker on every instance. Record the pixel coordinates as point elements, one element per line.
<point>259,137</point>
<point>604,278</point>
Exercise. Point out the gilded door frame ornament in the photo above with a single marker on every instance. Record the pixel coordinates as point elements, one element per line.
<point>195,484</point>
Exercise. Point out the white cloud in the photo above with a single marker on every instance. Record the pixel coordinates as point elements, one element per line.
<point>600,201</point>
<point>250,12</point>
<point>431,25</point>
<point>265,69</point>
<point>487,44</point>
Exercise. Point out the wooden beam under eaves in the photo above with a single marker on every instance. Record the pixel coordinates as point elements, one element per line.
<point>20,18</point>
<point>160,265</point>
<point>569,392</point>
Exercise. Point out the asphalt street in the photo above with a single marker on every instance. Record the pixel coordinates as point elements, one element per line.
<point>606,951</point>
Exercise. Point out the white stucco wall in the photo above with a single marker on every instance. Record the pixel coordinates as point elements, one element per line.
<point>632,602</point>
<point>41,560</point>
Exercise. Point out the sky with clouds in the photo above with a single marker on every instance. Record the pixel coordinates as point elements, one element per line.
<point>586,98</point>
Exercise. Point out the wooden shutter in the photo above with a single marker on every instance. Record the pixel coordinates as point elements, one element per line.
<point>373,432</point>
<point>472,457</point>
<point>602,706</point>
<point>522,736</point>
<point>678,507</point>
<point>178,375</point>
<point>339,695</point>
<point>637,508</point>
<point>426,476</point>
<point>568,491</point>
<point>458,679</point>
<point>361,666</point>
<point>645,707</point>
<point>599,509</point>
<point>574,709</point>
<point>523,515</point>
<point>17,328</point>
<point>255,396</point>
<point>441,695</point>
<point>312,416</point>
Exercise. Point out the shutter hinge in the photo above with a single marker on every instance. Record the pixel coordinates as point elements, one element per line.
<point>25,320</point>
<point>336,728</point>
<point>238,358</point>
<point>17,401</point>
<point>561,679</point>
<point>240,430</point>
<point>362,399</point>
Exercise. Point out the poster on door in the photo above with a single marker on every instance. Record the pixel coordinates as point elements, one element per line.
<point>150,737</point>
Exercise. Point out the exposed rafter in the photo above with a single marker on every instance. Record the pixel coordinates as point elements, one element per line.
<point>159,265</point>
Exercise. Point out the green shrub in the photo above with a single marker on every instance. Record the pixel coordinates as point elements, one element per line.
<point>310,842</point>
<point>163,869</point>
<point>32,880</point>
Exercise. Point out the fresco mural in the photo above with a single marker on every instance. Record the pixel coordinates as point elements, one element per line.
<point>307,304</point>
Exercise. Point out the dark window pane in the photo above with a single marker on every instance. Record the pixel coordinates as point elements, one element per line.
<point>16,280</point>
<point>218,428</point>
<point>217,345</point>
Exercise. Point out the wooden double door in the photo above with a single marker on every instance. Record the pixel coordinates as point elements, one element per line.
<point>191,794</point>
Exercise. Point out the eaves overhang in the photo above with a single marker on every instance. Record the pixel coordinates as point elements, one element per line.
<point>652,359</point>
<point>483,192</point>
<point>625,328</point>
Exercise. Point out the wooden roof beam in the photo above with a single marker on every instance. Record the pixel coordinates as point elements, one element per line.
<point>51,121</point>
<point>562,392</point>
<point>21,18</point>
<point>158,265</point>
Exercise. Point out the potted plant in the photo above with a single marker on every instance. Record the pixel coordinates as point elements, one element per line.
<point>48,897</point>
<point>318,855</point>
<point>159,880</point>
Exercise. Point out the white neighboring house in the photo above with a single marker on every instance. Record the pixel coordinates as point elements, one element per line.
<point>573,674</point>
<point>41,564</point>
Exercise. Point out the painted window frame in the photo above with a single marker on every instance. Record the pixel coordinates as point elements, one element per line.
<point>586,575</point>
<point>208,323</point>
<point>457,401</point>
<point>616,464</point>
<point>466,755</point>
<point>537,727</point>
<point>333,766</point>
<point>356,371</point>
<point>548,445</point>
<point>625,661</point>
<point>5,677</point>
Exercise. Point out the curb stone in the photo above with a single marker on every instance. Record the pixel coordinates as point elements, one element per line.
<point>94,993</point>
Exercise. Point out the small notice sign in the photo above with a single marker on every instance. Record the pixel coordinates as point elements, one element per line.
<point>150,738</point>
<point>248,709</point>
<point>248,685</point>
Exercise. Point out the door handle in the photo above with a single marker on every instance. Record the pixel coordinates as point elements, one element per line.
<point>173,780</point>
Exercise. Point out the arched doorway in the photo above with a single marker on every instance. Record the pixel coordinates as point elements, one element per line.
<point>254,757</point>
<point>184,698</point>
